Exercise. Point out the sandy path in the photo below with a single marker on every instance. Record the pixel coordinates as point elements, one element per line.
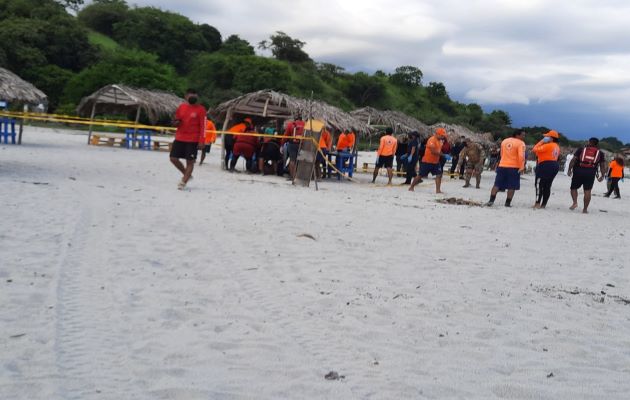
<point>115,285</point>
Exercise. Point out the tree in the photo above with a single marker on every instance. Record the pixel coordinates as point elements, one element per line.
<point>212,36</point>
<point>131,67</point>
<point>236,46</point>
<point>102,15</point>
<point>173,37</point>
<point>283,47</point>
<point>407,76</point>
<point>71,4</point>
<point>51,79</point>
<point>257,73</point>
<point>436,90</point>
<point>365,90</point>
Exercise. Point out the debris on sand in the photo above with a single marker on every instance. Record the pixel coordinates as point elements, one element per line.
<point>459,202</point>
<point>307,235</point>
<point>333,376</point>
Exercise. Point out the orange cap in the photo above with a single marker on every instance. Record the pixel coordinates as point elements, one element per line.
<point>440,132</point>
<point>553,134</point>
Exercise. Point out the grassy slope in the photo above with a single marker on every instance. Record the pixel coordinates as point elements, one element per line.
<point>103,41</point>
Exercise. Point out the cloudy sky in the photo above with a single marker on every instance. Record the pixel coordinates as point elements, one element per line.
<point>562,64</point>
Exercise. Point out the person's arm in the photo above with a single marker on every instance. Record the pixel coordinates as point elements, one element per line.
<point>521,158</point>
<point>602,169</point>
<point>462,156</point>
<point>177,119</point>
<point>380,148</point>
<point>571,165</point>
<point>202,131</point>
<point>538,147</point>
<point>436,150</point>
<point>395,146</point>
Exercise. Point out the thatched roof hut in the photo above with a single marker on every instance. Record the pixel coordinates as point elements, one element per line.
<point>274,105</point>
<point>14,89</point>
<point>398,121</point>
<point>121,99</point>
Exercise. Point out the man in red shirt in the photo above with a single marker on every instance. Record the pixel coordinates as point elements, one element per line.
<point>190,120</point>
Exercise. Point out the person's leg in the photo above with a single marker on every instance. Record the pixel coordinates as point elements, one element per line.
<point>493,195</point>
<point>615,187</point>
<point>375,174</point>
<point>178,164</point>
<point>454,162</point>
<point>546,191</point>
<point>203,156</point>
<point>438,184</point>
<point>538,189</point>
<point>574,197</point>
<point>510,196</point>
<point>233,162</point>
<point>467,176</point>
<point>587,201</point>
<point>390,175</point>
<point>478,176</point>
<point>190,165</point>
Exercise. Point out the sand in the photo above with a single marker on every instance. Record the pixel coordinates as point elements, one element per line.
<point>115,285</point>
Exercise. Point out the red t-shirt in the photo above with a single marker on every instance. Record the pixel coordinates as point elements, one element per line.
<point>295,129</point>
<point>192,123</point>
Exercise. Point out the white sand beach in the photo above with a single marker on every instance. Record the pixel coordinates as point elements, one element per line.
<point>115,285</point>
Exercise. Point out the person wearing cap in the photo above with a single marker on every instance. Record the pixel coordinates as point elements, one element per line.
<point>430,162</point>
<point>547,152</point>
<point>511,166</point>
<point>343,142</point>
<point>583,170</point>
<point>247,147</point>
<point>455,153</point>
<point>385,155</point>
<point>470,158</point>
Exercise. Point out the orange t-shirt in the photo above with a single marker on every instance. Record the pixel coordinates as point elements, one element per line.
<point>351,139</point>
<point>387,146</point>
<point>211,132</point>
<point>325,140</point>
<point>432,144</point>
<point>512,153</point>
<point>342,142</point>
<point>546,151</point>
<point>616,170</point>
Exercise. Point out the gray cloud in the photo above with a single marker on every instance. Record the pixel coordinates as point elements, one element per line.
<point>486,51</point>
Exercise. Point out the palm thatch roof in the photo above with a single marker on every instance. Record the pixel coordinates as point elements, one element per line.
<point>398,121</point>
<point>14,89</point>
<point>120,99</point>
<point>274,105</point>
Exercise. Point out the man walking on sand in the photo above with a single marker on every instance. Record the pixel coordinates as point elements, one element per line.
<point>190,120</point>
<point>430,163</point>
<point>511,166</point>
<point>385,155</point>
<point>583,170</point>
<point>471,158</point>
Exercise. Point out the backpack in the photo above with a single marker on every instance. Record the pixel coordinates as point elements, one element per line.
<point>589,157</point>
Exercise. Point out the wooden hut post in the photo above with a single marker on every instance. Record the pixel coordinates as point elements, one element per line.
<point>135,128</point>
<point>91,119</point>
<point>21,130</point>
<point>228,117</point>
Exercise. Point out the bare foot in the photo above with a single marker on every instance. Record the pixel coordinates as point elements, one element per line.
<point>536,205</point>
<point>573,207</point>
<point>436,192</point>
<point>584,211</point>
<point>411,188</point>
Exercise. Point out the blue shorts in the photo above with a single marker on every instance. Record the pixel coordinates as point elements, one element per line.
<point>426,169</point>
<point>507,178</point>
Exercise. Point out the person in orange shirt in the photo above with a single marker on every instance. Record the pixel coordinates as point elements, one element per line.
<point>385,155</point>
<point>228,140</point>
<point>511,166</point>
<point>615,174</point>
<point>343,144</point>
<point>547,152</point>
<point>211,137</point>
<point>351,140</point>
<point>325,144</point>
<point>430,162</point>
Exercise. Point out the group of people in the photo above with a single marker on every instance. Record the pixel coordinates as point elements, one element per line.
<point>269,155</point>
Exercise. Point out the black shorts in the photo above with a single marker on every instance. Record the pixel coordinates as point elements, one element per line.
<point>582,179</point>
<point>507,178</point>
<point>206,148</point>
<point>429,168</point>
<point>385,161</point>
<point>271,152</point>
<point>187,150</point>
